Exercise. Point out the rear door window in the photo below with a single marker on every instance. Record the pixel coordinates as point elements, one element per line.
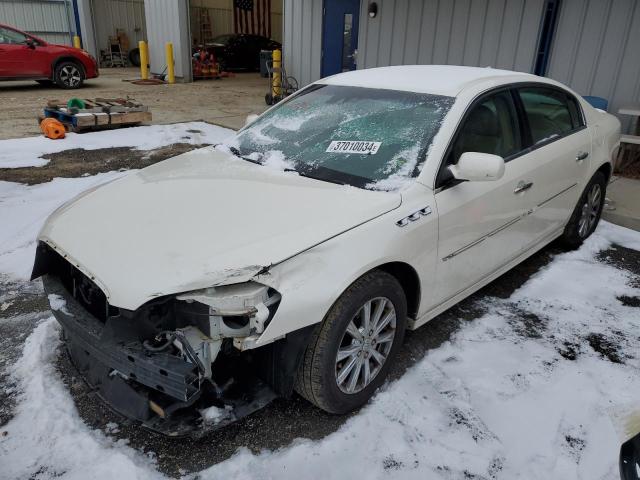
<point>549,112</point>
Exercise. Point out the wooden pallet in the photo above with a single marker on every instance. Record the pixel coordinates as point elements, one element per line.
<point>98,114</point>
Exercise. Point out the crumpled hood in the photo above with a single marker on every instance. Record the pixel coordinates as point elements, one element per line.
<point>201,219</point>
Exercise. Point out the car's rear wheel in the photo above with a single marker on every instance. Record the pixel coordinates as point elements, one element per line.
<point>69,75</point>
<point>586,215</point>
<point>350,352</point>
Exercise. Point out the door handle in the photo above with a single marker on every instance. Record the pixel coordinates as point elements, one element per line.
<point>522,186</point>
<point>581,156</point>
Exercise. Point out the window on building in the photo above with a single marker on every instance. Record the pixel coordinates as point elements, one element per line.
<point>347,57</point>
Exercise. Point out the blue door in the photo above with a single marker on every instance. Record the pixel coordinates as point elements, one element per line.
<point>339,36</point>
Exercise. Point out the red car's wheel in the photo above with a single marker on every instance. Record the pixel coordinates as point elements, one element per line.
<point>69,75</point>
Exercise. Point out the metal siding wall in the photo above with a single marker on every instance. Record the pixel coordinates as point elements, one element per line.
<point>475,32</point>
<point>595,50</point>
<point>385,37</point>
<point>168,21</point>
<point>302,34</point>
<point>127,15</point>
<point>48,19</point>
<point>55,38</point>
<point>497,33</point>
<point>398,43</point>
<point>428,20</point>
<point>413,32</point>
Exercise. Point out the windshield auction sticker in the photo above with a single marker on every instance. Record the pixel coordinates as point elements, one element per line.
<point>353,146</point>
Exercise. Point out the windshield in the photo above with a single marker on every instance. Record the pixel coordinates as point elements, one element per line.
<point>368,138</point>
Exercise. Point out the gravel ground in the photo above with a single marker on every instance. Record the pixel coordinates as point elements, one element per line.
<point>225,102</point>
<point>78,162</point>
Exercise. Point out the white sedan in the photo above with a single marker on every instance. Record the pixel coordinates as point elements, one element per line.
<point>294,257</point>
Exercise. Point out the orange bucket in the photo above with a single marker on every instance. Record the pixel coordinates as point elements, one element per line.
<point>52,128</point>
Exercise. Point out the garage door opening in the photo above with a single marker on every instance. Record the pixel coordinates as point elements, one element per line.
<point>227,36</point>
<point>118,27</point>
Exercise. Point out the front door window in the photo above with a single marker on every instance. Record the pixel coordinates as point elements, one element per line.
<point>8,36</point>
<point>491,126</point>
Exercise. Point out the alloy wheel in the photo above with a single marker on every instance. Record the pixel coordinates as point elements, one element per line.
<point>590,211</point>
<point>365,345</point>
<point>70,76</point>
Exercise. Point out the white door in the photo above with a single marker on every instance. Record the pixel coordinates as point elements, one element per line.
<point>479,226</point>
<point>558,157</point>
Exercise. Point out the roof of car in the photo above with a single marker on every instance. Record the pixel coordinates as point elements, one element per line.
<point>447,80</point>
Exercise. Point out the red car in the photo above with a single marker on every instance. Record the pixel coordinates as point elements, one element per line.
<point>25,57</point>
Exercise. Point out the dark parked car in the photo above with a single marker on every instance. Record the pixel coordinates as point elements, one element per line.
<point>25,57</point>
<point>240,51</point>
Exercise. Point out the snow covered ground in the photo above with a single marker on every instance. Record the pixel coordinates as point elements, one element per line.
<point>23,210</point>
<point>491,403</point>
<point>539,387</point>
<point>27,152</point>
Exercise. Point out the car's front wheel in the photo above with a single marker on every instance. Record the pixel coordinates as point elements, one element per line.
<point>69,75</point>
<point>350,352</point>
<point>586,215</point>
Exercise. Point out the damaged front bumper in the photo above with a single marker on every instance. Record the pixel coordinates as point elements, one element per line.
<point>168,393</point>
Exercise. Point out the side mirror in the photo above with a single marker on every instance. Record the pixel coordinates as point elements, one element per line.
<point>30,43</point>
<point>478,167</point>
<point>252,117</point>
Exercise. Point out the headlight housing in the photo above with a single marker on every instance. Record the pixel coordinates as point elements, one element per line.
<point>239,310</point>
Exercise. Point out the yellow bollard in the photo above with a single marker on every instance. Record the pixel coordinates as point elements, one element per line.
<point>276,84</point>
<point>76,41</point>
<point>171,74</point>
<point>144,59</point>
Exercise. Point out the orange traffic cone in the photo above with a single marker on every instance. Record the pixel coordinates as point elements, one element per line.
<point>52,128</point>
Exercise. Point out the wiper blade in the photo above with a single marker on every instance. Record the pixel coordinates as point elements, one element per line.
<point>237,153</point>
<point>315,177</point>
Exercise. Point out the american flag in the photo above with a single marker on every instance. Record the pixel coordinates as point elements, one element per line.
<point>252,16</point>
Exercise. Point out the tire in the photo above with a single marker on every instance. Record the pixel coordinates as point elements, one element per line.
<point>328,382</point>
<point>134,57</point>
<point>69,75</point>
<point>586,215</point>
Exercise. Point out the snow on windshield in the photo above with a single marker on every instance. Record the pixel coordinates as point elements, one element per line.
<point>399,168</point>
<point>368,138</point>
